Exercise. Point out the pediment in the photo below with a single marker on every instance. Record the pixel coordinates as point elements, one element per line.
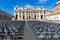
<point>29,9</point>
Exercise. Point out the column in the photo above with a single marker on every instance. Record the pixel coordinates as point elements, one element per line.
<point>25,15</point>
<point>43,13</point>
<point>21,15</point>
<point>36,15</point>
<point>18,16</point>
<point>30,16</point>
<point>39,15</point>
<point>43,16</point>
<point>33,15</point>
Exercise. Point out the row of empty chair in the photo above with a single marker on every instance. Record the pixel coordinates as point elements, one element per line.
<point>11,30</point>
<point>46,30</point>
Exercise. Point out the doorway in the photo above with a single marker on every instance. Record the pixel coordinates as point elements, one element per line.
<point>16,17</point>
<point>23,16</point>
<point>41,16</point>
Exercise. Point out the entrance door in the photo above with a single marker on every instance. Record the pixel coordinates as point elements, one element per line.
<point>16,17</point>
<point>35,16</point>
<point>23,16</point>
<point>41,16</point>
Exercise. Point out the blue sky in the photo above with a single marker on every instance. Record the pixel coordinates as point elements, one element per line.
<point>8,5</point>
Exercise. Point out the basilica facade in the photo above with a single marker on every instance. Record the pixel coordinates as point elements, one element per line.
<point>30,12</point>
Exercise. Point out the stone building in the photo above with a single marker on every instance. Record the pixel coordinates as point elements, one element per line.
<point>30,12</point>
<point>5,16</point>
<point>53,13</point>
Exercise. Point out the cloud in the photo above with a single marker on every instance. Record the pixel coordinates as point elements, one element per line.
<point>42,1</point>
